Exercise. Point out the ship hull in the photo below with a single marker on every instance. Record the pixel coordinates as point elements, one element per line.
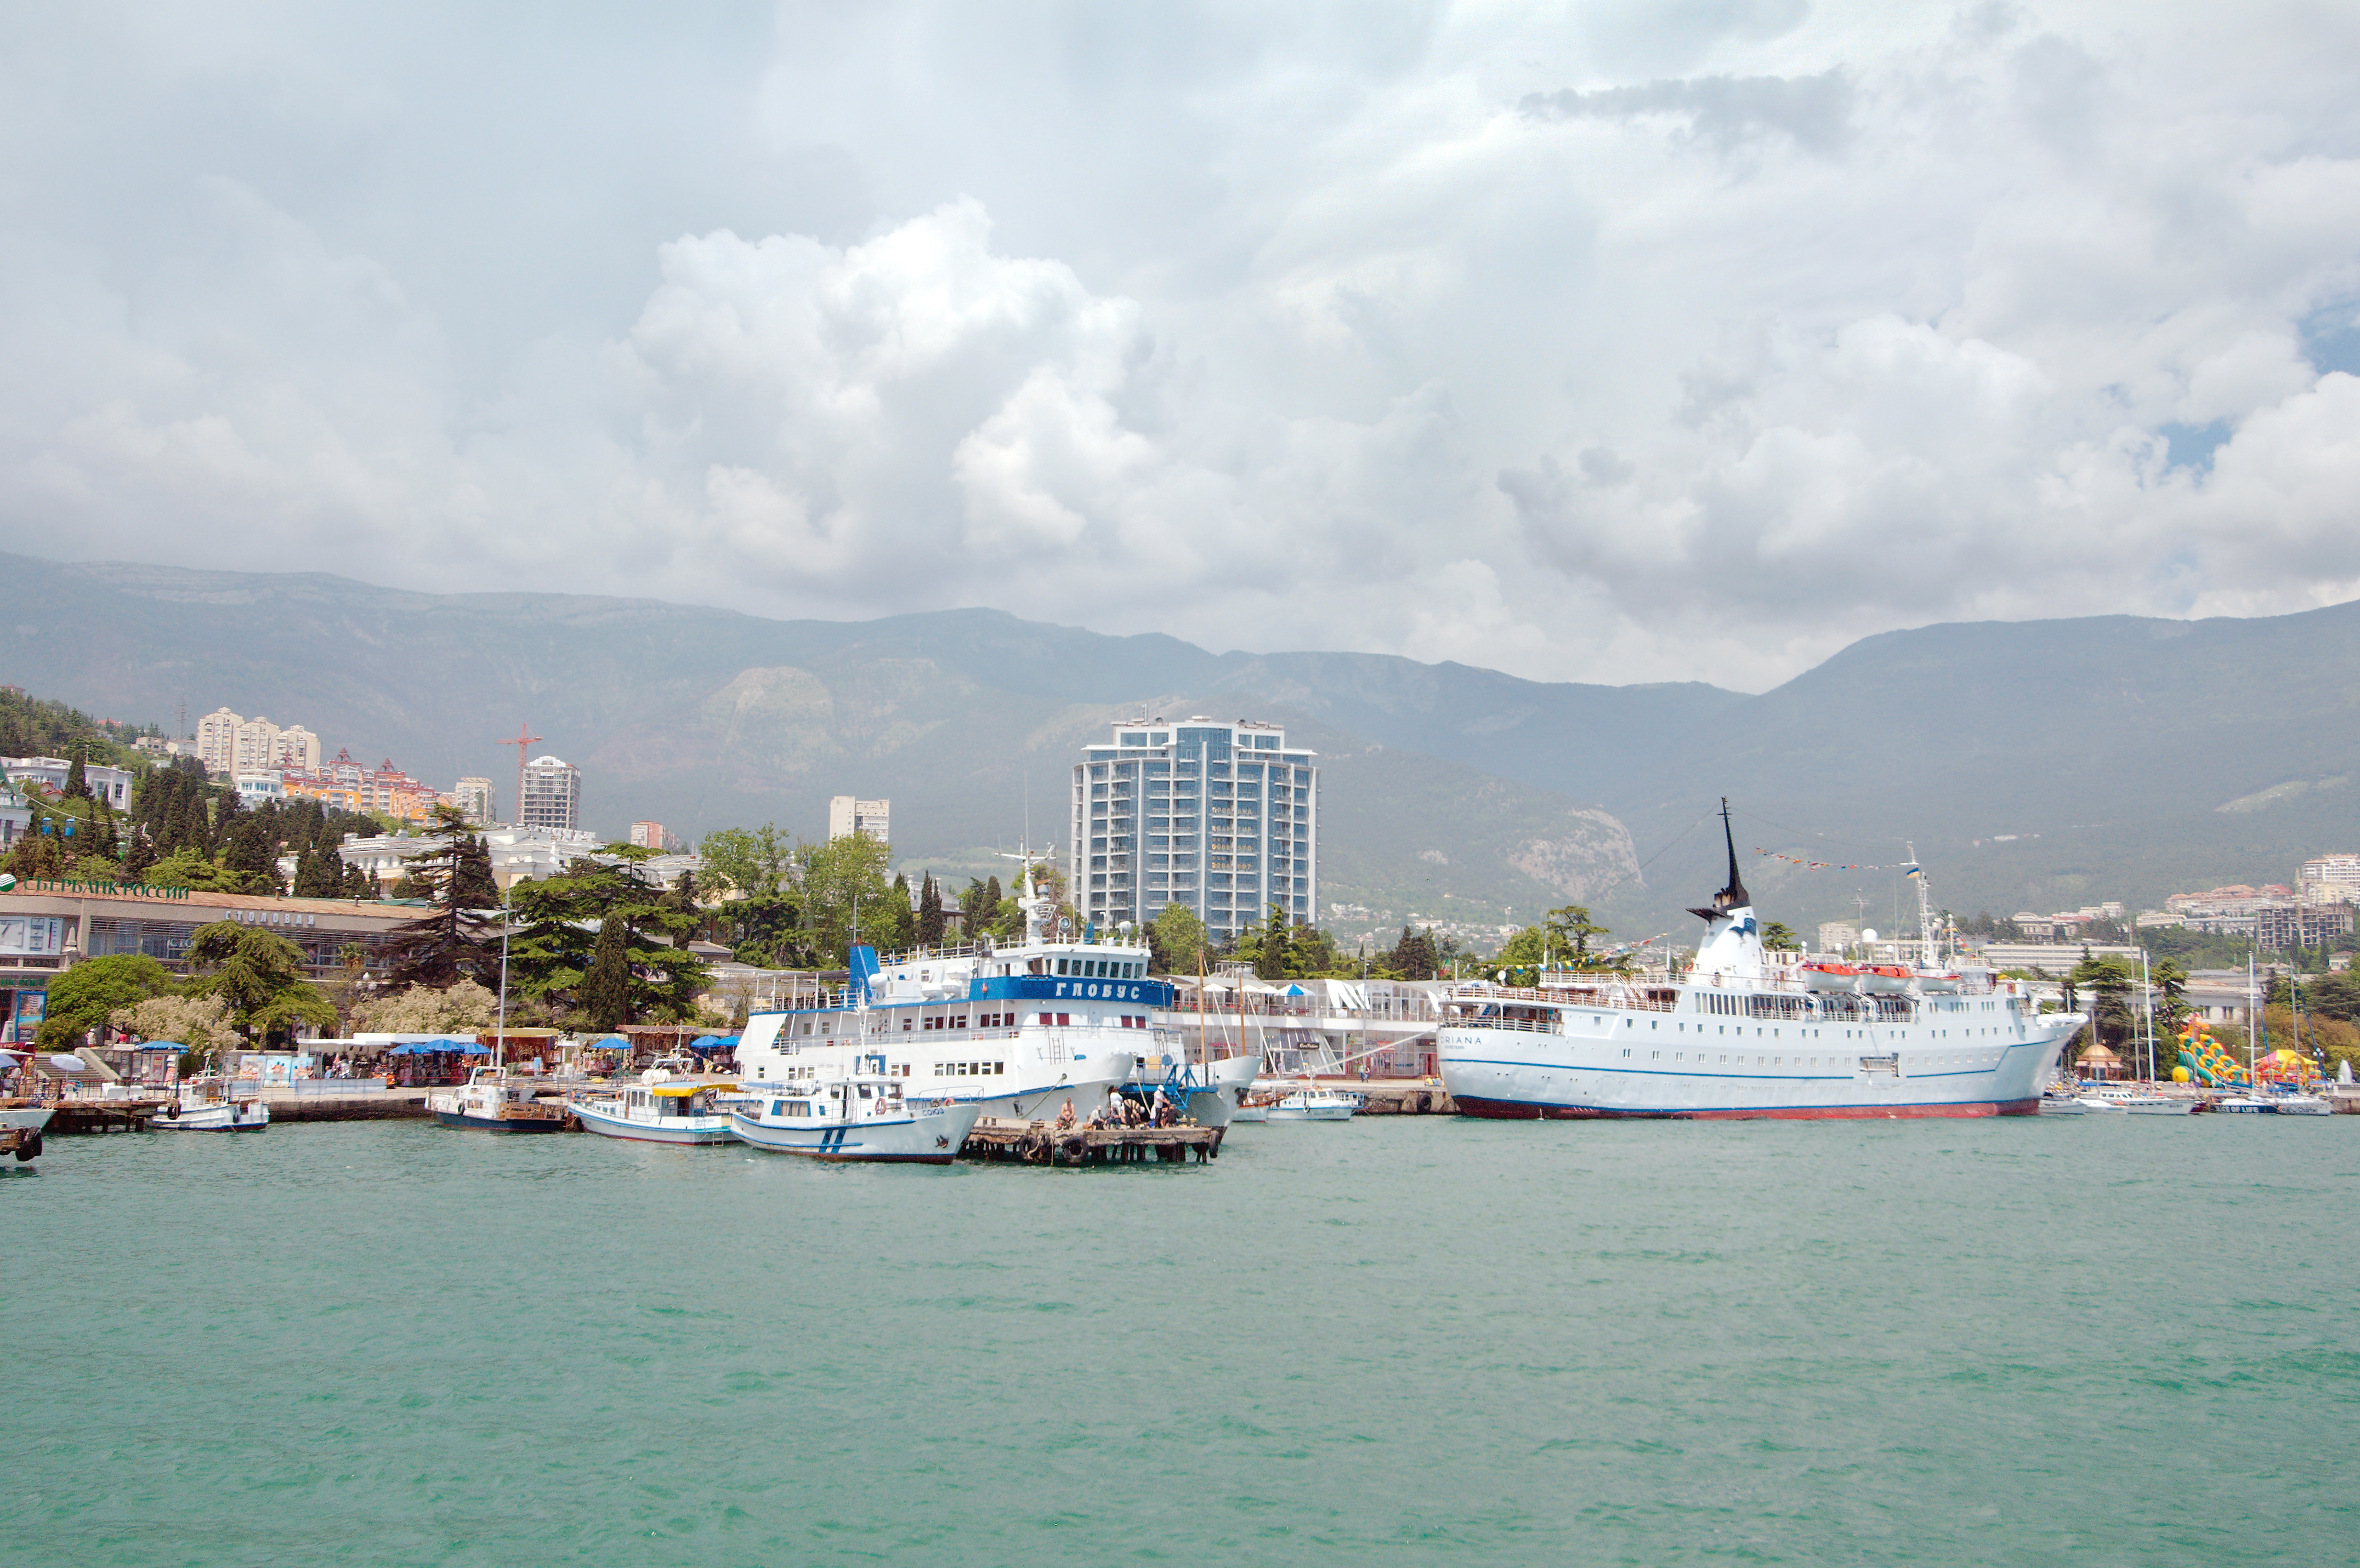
<point>1517,1110</point>
<point>1587,1072</point>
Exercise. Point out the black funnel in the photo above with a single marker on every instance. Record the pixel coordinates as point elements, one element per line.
<point>1734,895</point>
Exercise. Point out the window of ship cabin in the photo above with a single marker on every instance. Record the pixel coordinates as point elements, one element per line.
<point>1061,965</point>
<point>905,1025</point>
<point>999,1067</point>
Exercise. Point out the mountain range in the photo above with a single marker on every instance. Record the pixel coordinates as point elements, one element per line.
<point>2033,764</point>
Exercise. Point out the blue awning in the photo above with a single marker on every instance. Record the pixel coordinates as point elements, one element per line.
<point>440,1048</point>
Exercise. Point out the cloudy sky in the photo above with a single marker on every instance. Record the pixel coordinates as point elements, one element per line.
<point>1656,338</point>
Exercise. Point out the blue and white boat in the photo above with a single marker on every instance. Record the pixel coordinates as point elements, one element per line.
<point>864,1116</point>
<point>1015,1030</point>
<point>657,1110</point>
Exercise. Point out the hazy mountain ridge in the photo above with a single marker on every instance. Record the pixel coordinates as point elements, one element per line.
<point>2107,746</point>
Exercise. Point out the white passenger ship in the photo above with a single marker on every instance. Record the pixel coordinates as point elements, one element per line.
<point>1742,1037</point>
<point>1015,1030</point>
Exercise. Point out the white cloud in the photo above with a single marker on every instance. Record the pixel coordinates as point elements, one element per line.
<point>1621,342</point>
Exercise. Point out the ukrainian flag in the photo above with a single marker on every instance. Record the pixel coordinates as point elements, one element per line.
<point>1915,871</point>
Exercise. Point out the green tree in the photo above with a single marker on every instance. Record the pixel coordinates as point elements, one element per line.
<point>1414,957</point>
<point>1272,951</point>
<point>2170,996</point>
<point>92,991</point>
<point>606,987</point>
<point>930,924</point>
<point>905,921</point>
<point>1777,938</point>
<point>1177,941</point>
<point>2109,982</point>
<point>258,975</point>
<point>756,864</point>
<point>250,862</point>
<point>455,941</point>
<point>840,878</point>
<point>561,920</point>
<point>77,780</point>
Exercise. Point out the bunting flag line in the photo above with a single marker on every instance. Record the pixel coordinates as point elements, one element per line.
<point>1910,866</point>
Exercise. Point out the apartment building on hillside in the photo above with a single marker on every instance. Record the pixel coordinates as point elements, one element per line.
<point>1221,816</point>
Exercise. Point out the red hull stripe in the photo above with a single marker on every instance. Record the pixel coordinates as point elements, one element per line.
<point>1515,1110</point>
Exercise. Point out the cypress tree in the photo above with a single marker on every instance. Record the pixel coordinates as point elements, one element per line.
<point>607,987</point>
<point>77,781</point>
<point>930,913</point>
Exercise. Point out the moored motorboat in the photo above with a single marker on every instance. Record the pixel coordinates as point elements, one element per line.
<point>658,1112</point>
<point>862,1117</point>
<point>214,1104</point>
<point>491,1101</point>
<point>2137,1102</point>
<point>2055,1105</point>
<point>1317,1105</point>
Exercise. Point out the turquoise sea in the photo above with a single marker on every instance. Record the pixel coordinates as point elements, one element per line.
<point>1412,1340</point>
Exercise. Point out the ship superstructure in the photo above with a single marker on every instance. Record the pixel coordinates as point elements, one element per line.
<point>1016,1028</point>
<point>1741,1035</point>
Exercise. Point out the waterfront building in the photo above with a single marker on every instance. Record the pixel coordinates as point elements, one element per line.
<point>1221,816</point>
<point>552,795</point>
<point>473,796</point>
<point>847,815</point>
<point>46,927</point>
<point>112,785</point>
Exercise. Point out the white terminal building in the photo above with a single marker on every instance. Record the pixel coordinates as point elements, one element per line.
<point>1221,817</point>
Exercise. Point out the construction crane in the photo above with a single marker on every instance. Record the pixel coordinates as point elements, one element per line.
<point>523,738</point>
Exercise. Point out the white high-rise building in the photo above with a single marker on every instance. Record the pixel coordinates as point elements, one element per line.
<point>553,795</point>
<point>299,748</point>
<point>2329,879</point>
<point>217,740</point>
<point>1221,816</point>
<point>847,815</point>
<point>255,747</point>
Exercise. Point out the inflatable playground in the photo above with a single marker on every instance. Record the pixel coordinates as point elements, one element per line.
<point>2205,1059</point>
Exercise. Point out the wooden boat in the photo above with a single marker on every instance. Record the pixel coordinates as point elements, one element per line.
<point>658,1113</point>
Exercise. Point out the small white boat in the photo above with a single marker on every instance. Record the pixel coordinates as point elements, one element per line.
<point>214,1104</point>
<point>2304,1106</point>
<point>862,1117</point>
<point>1317,1105</point>
<point>2139,1102</point>
<point>2247,1104</point>
<point>1249,1113</point>
<point>2062,1105</point>
<point>1885,979</point>
<point>1932,980</point>
<point>660,1112</point>
<point>491,1101</point>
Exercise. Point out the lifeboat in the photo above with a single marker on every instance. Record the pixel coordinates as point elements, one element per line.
<point>1886,978</point>
<point>1826,975</point>
<point>1935,980</point>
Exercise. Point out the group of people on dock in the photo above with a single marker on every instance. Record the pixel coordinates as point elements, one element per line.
<point>1121,1111</point>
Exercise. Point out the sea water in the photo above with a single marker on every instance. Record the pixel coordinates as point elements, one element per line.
<point>1406,1340</point>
